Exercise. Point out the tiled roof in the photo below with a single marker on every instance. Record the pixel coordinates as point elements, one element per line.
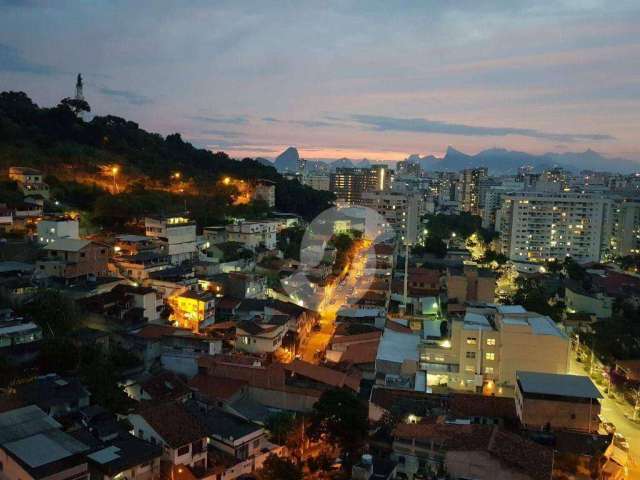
<point>512,450</point>
<point>397,327</point>
<point>173,423</point>
<point>360,353</point>
<point>522,454</point>
<point>165,386</point>
<point>324,375</point>
<point>212,387</point>
<point>472,405</point>
<point>360,337</point>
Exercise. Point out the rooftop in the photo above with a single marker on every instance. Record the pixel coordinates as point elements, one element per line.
<point>398,346</point>
<point>67,245</point>
<point>476,321</point>
<point>512,450</point>
<point>211,387</point>
<point>324,375</point>
<point>124,453</point>
<point>221,424</point>
<point>173,423</point>
<point>579,386</point>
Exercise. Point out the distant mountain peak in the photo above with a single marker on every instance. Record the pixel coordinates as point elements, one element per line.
<point>288,160</point>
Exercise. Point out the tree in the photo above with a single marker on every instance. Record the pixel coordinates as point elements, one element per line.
<point>491,256</point>
<point>289,241</point>
<point>276,468</point>
<point>280,425</point>
<point>343,419</point>
<point>54,312</point>
<point>58,355</point>
<point>76,105</point>
<point>573,270</point>
<point>100,372</point>
<point>433,245</point>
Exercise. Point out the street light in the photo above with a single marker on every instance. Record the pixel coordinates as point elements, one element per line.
<point>114,171</point>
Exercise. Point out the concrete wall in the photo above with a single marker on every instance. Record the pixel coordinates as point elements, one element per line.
<point>536,414</point>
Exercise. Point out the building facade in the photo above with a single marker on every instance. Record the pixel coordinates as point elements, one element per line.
<point>545,226</point>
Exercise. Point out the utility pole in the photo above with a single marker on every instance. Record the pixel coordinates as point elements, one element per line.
<point>406,276</point>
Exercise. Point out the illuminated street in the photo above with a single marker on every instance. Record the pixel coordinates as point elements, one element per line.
<point>317,342</point>
<point>614,412</point>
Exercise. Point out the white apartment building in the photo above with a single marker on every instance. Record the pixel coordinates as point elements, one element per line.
<point>317,181</point>
<point>178,233</point>
<point>541,226</point>
<point>490,344</point>
<point>493,199</point>
<point>50,230</point>
<point>253,234</point>
<point>401,212</point>
<point>623,228</point>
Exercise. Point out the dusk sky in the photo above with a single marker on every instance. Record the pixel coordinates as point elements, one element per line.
<point>375,79</point>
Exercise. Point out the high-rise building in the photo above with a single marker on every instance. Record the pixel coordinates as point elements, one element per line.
<point>622,228</point>
<point>493,200</point>
<point>401,212</point>
<point>317,181</point>
<point>541,226</point>
<point>348,184</point>
<point>468,189</point>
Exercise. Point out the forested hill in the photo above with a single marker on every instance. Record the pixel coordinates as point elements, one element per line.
<point>62,144</point>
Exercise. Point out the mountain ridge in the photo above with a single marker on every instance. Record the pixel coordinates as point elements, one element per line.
<point>503,161</point>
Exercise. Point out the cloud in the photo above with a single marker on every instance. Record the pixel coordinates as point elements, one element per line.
<point>232,120</point>
<point>126,96</point>
<point>222,133</point>
<point>11,60</point>
<point>422,125</point>
<point>313,123</point>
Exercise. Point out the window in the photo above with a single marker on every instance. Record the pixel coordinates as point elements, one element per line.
<point>183,450</point>
<point>470,369</point>
<point>471,340</point>
<point>491,341</point>
<point>490,356</point>
<point>471,355</point>
<point>488,370</point>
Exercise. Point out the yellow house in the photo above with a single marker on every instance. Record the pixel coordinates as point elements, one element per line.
<point>192,309</point>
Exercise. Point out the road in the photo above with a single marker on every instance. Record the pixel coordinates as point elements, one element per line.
<point>317,341</point>
<point>617,413</point>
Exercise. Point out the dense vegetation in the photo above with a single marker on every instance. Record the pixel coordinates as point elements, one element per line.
<point>56,140</point>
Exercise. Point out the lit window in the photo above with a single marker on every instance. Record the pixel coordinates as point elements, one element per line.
<point>490,356</point>
<point>471,340</point>
<point>488,369</point>
<point>491,341</point>
<point>470,368</point>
